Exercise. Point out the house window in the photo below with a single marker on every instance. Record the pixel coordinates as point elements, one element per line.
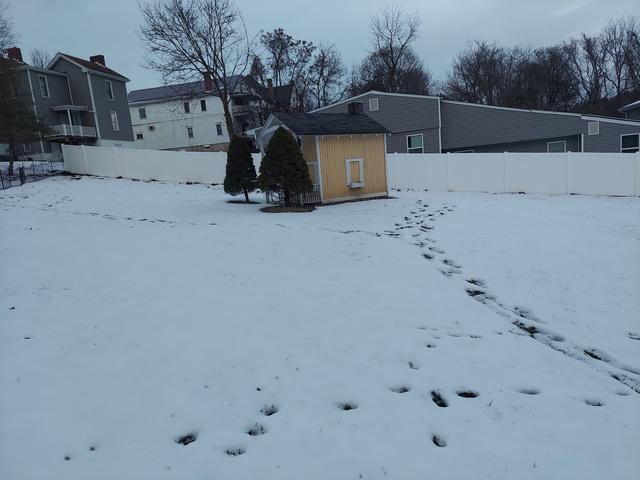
<point>44,86</point>
<point>593,128</point>
<point>219,128</point>
<point>152,128</point>
<point>355,172</point>
<point>203,105</point>
<point>142,113</point>
<point>630,143</point>
<point>557,147</point>
<point>26,147</point>
<point>109,90</point>
<point>139,136</point>
<point>190,132</point>
<point>187,107</point>
<point>114,121</point>
<point>415,143</point>
<point>374,104</point>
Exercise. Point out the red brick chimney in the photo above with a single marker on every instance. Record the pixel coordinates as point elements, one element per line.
<point>98,59</point>
<point>208,82</point>
<point>14,53</point>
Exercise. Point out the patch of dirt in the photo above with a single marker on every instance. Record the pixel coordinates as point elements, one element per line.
<point>242,202</point>
<point>275,209</point>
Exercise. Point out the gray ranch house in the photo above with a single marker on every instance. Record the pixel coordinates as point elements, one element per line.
<point>631,111</point>
<point>427,124</point>
<point>81,101</point>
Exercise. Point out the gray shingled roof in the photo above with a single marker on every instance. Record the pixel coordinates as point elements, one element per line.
<point>188,89</point>
<point>329,123</point>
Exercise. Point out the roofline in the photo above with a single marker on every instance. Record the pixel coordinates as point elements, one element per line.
<point>549,112</point>
<point>40,70</point>
<point>82,68</point>
<point>621,121</point>
<point>630,106</point>
<point>172,98</point>
<point>383,130</point>
<point>375,92</point>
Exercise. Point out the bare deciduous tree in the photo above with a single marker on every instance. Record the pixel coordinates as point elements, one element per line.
<point>7,37</point>
<point>392,33</point>
<point>39,58</point>
<point>187,39</point>
<point>326,77</point>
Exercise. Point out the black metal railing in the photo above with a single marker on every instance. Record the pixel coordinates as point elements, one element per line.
<point>24,172</point>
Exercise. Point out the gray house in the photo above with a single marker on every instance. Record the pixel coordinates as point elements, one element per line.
<point>632,111</point>
<point>425,124</point>
<point>82,102</point>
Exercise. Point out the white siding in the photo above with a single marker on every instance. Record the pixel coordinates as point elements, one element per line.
<point>170,124</point>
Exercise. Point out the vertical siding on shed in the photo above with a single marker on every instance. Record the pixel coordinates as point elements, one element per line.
<point>335,149</point>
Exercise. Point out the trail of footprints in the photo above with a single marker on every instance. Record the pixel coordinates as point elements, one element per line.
<point>420,222</point>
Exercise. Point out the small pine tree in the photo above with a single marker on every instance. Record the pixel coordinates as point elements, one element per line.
<point>240,173</point>
<point>283,166</point>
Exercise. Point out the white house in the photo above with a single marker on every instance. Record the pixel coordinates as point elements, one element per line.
<point>179,117</point>
<point>188,116</point>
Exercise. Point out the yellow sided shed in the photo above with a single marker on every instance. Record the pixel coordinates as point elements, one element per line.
<point>345,152</point>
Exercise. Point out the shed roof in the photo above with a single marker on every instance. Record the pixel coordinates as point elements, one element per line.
<point>329,123</point>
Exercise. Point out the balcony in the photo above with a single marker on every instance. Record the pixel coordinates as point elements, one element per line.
<point>65,130</point>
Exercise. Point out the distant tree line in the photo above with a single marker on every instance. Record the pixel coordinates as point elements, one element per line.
<point>591,73</point>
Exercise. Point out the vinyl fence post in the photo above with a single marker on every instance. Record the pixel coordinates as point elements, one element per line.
<point>566,170</point>
<point>84,160</point>
<point>504,172</point>
<point>116,157</point>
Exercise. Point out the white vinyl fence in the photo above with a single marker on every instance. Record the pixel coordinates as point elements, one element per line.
<point>581,173</point>
<point>168,166</point>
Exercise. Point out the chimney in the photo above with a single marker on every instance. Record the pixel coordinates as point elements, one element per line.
<point>269,89</point>
<point>98,59</point>
<point>14,53</point>
<point>355,108</point>
<point>208,82</point>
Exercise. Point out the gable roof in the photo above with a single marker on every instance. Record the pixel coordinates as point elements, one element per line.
<point>631,106</point>
<point>88,65</point>
<point>328,123</point>
<point>169,91</point>
<point>179,90</point>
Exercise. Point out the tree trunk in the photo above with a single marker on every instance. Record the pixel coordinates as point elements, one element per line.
<point>287,202</point>
<point>246,194</point>
<point>228,117</point>
<point>12,157</point>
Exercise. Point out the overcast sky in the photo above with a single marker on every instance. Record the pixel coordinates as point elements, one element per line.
<point>109,27</point>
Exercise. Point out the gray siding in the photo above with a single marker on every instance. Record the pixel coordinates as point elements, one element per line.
<point>77,81</point>
<point>633,114</point>
<point>468,125</point>
<point>608,140</point>
<point>104,107</point>
<point>538,146</point>
<point>402,115</point>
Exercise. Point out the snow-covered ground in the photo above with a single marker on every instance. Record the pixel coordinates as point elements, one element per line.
<point>343,343</point>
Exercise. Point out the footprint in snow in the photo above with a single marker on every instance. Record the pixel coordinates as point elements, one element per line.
<point>594,403</point>
<point>439,399</point>
<point>467,393</point>
<point>256,429</point>
<point>269,410</point>
<point>346,406</point>
<point>439,441</point>
<point>529,391</point>
<point>400,389</point>
<point>235,452</point>
<point>187,439</point>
